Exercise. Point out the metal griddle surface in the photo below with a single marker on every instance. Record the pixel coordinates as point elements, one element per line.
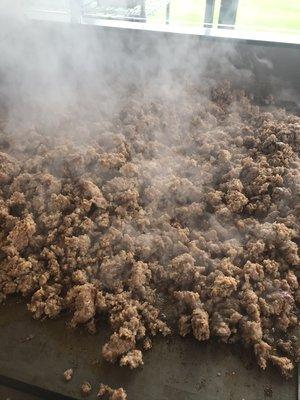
<point>181,369</point>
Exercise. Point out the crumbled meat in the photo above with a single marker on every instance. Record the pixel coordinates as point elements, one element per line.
<point>132,359</point>
<point>223,286</point>
<point>20,235</point>
<point>68,374</point>
<point>116,347</point>
<point>236,201</point>
<point>147,344</point>
<point>143,228</point>
<point>284,363</point>
<point>200,324</point>
<point>82,299</point>
<point>113,394</point>
<point>86,389</point>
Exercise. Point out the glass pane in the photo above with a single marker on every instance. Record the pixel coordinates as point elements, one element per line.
<point>156,10</point>
<point>116,9</point>
<point>188,12</point>
<point>269,15</point>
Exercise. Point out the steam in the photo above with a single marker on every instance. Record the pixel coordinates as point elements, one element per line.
<point>57,78</point>
<point>50,69</point>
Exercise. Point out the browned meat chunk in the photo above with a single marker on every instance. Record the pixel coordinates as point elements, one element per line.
<point>68,374</point>
<point>132,359</point>
<point>114,394</point>
<point>23,231</point>
<point>86,389</point>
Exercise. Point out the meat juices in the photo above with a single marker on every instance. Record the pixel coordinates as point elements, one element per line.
<point>173,209</point>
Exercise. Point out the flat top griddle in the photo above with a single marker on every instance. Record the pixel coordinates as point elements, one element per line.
<point>34,354</point>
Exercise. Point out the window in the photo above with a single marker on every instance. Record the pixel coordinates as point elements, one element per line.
<point>269,15</point>
<point>273,16</point>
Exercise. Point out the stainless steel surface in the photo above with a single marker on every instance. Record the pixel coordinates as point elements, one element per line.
<point>7,393</point>
<point>181,369</point>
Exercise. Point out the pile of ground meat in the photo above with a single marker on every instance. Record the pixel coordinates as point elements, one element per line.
<point>171,215</point>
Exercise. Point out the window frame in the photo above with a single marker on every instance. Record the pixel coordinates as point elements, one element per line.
<point>222,32</point>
